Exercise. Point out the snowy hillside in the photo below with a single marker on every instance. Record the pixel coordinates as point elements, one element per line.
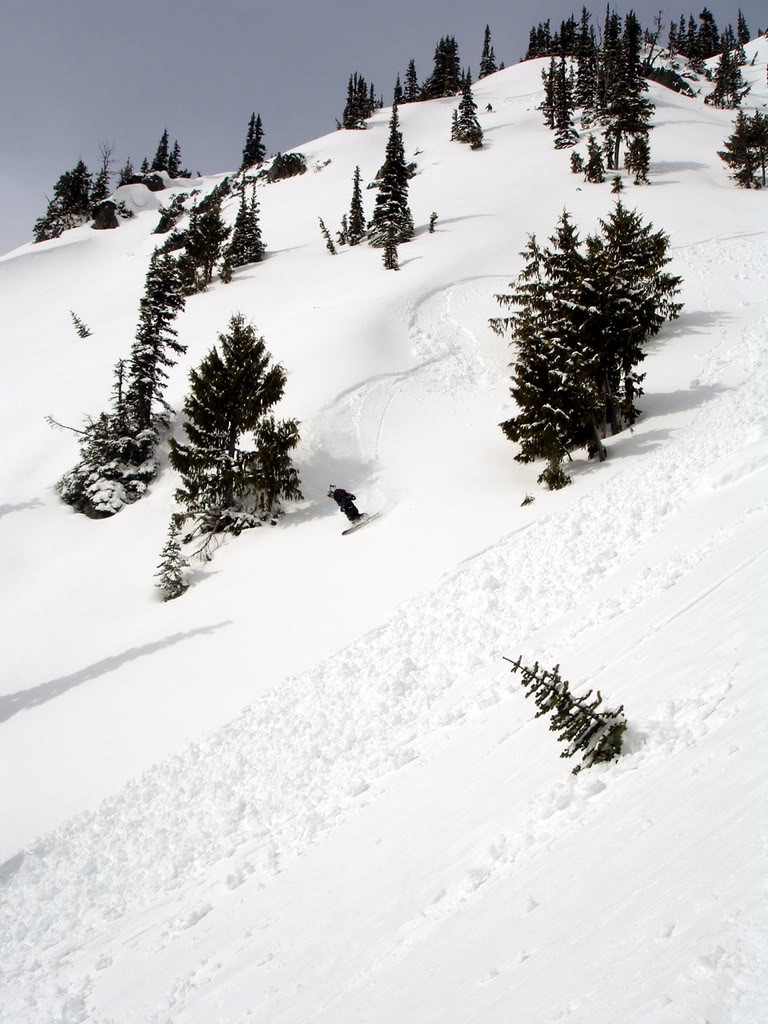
<point>310,789</point>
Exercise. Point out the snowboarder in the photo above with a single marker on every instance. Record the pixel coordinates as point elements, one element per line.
<point>489,109</point>
<point>345,501</point>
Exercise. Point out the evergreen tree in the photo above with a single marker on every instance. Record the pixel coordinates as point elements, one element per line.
<point>101,190</point>
<point>224,485</point>
<point>392,198</point>
<point>565,134</point>
<point>580,322</point>
<point>444,80</point>
<point>412,92</point>
<point>708,37</point>
<point>467,127</point>
<point>360,104</point>
<point>746,150</point>
<point>488,58</point>
<point>585,90</point>
<point>617,185</point>
<point>547,105</point>
<point>634,297</point>
<point>160,162</point>
<point>246,245</point>
<point>397,95</point>
<point>356,224</point>
<point>205,237</point>
<point>254,151</point>
<point>577,720</point>
<point>389,256</point>
<point>577,163</point>
<point>543,387</point>
<point>156,343</point>
<point>172,565</point>
<point>595,168</point>
<point>342,235</point>
<point>742,29</point>
<point>126,173</point>
<point>730,88</point>
<point>638,161</point>
<point>70,206</point>
<point>174,160</point>
<point>432,222</point>
<point>627,113</point>
<point>326,235</point>
<point>81,328</point>
<point>116,463</point>
<point>455,125</point>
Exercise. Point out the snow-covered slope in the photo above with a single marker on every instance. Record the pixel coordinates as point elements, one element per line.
<point>310,790</point>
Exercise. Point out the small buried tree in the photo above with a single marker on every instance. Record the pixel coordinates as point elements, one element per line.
<point>599,734</point>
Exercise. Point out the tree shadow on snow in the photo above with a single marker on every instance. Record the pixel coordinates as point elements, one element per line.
<point>675,166</point>
<point>632,443</point>
<point>12,703</point>
<point>22,506</point>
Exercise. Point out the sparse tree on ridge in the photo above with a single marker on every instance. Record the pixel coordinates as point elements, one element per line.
<point>488,58</point>
<point>101,189</point>
<point>254,151</point>
<point>411,92</point>
<point>174,161</point>
<point>446,73</point>
<point>160,161</point>
<point>70,206</point>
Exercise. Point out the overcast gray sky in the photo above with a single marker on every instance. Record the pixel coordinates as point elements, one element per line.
<point>76,72</point>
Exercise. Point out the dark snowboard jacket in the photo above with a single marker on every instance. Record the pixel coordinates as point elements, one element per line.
<point>343,498</point>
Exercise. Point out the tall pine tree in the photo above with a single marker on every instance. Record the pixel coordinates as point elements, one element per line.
<point>226,486</point>
<point>392,198</point>
<point>156,343</point>
<point>254,151</point>
<point>355,232</point>
<point>487,59</point>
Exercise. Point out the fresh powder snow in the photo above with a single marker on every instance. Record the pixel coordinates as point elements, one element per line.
<point>310,789</point>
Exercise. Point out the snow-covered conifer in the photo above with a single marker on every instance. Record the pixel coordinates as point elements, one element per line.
<point>170,569</point>
<point>356,222</point>
<point>392,197</point>
<point>597,734</point>
<point>225,486</point>
<point>80,327</point>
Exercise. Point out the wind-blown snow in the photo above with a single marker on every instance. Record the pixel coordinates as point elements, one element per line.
<point>310,789</point>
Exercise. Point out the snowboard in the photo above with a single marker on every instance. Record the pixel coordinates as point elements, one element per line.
<point>362,521</point>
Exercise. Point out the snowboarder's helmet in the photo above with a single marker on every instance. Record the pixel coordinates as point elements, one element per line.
<point>331,489</point>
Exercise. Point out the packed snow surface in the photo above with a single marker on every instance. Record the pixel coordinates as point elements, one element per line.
<point>310,789</point>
